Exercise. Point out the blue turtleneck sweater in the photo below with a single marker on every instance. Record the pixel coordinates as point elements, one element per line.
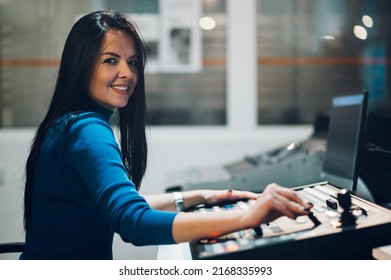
<point>82,195</point>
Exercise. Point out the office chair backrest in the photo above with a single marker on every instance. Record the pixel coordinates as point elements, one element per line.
<point>12,247</point>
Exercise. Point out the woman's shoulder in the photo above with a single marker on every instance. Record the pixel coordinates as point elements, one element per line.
<point>79,117</point>
<point>81,122</point>
<point>88,120</point>
<point>85,128</point>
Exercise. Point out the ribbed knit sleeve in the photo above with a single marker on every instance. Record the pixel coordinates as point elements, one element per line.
<point>93,153</point>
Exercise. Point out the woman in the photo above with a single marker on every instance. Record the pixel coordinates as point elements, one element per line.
<point>81,187</point>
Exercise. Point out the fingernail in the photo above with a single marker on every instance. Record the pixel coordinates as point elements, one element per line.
<point>308,206</point>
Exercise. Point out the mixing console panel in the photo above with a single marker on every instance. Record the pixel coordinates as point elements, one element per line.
<point>340,226</point>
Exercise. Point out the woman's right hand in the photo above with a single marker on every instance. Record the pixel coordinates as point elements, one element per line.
<point>274,202</point>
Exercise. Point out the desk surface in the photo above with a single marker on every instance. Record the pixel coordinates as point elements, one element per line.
<point>182,252</point>
<point>174,252</point>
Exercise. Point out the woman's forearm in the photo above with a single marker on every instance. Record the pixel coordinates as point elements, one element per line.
<point>166,201</point>
<point>195,226</point>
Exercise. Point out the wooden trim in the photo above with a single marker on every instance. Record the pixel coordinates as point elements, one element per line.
<point>322,60</point>
<point>220,61</point>
<point>29,62</point>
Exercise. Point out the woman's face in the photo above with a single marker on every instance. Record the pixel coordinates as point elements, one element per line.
<point>115,75</point>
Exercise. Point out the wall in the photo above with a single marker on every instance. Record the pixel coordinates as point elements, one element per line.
<point>170,149</point>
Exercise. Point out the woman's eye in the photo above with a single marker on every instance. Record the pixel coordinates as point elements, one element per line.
<point>111,61</point>
<point>133,63</point>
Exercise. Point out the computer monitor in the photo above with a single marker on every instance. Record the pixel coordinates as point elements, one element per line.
<point>344,140</point>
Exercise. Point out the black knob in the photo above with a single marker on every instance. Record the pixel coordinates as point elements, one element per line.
<point>344,200</point>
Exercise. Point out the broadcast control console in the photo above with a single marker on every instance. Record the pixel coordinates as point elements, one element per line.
<point>339,226</point>
<point>295,164</point>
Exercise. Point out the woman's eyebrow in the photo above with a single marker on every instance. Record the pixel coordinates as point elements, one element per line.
<point>117,55</point>
<point>111,53</point>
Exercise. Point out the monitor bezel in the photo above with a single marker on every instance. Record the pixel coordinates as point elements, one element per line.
<point>340,181</point>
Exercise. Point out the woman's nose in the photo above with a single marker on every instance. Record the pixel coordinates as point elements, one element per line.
<point>125,71</point>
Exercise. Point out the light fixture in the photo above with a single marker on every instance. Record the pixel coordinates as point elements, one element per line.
<point>360,32</point>
<point>207,23</point>
<point>367,21</point>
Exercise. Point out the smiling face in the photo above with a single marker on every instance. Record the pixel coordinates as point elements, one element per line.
<point>115,75</point>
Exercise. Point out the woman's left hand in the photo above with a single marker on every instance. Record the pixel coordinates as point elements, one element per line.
<point>215,196</point>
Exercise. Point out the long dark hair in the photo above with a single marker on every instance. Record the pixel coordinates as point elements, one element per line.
<point>71,95</point>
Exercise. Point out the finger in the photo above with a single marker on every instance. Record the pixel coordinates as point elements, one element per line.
<point>288,207</point>
<point>226,194</point>
<point>243,195</point>
<point>283,206</point>
<point>236,195</point>
<point>303,205</point>
<point>291,195</point>
<point>220,195</point>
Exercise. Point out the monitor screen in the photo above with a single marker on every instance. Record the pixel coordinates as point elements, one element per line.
<point>344,138</point>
